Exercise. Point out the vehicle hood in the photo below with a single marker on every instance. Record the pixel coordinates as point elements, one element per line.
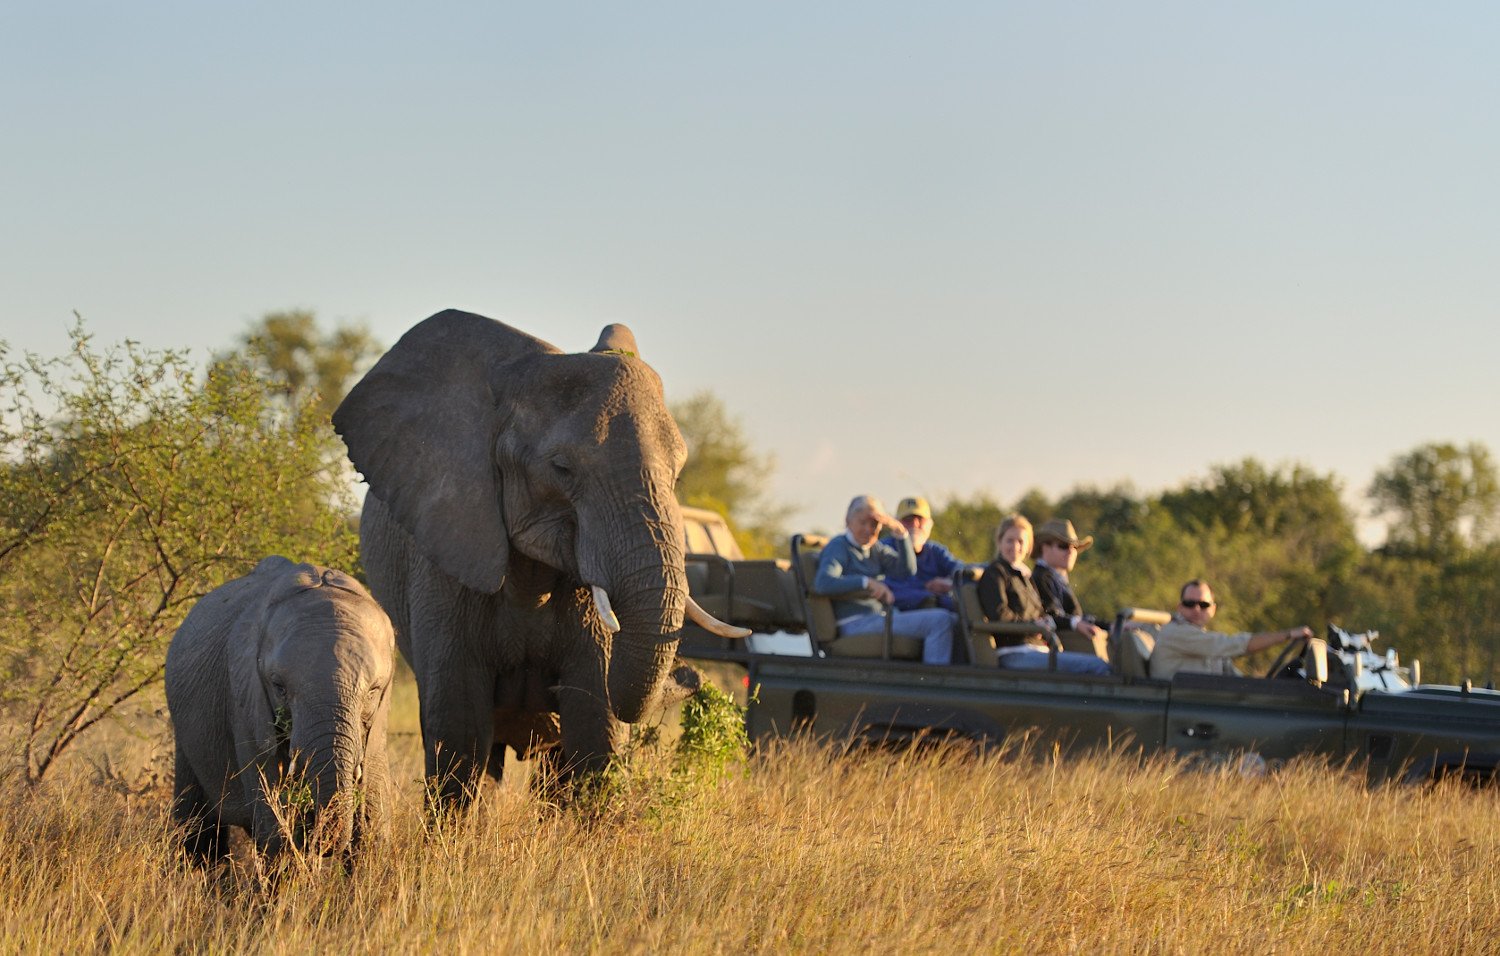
<point>1436,700</point>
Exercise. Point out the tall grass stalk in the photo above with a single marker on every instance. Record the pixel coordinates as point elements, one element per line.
<point>930,851</point>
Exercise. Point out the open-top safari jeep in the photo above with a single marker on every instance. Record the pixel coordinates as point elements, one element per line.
<point>1336,698</point>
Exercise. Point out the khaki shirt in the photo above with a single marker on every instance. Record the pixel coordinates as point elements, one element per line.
<point>1186,648</point>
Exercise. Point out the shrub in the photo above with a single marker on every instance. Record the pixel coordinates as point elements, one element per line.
<point>130,486</point>
<point>713,734</point>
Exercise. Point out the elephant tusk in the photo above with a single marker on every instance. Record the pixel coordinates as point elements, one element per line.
<point>606,613</point>
<point>712,624</point>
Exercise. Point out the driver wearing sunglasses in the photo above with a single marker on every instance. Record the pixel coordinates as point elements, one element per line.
<point>1186,645</point>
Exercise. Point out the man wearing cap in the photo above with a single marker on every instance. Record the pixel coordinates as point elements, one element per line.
<point>1057,549</point>
<point>933,582</point>
<point>850,570</point>
<point>1186,645</point>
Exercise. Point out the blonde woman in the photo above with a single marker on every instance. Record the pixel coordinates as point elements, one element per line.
<point>1006,593</point>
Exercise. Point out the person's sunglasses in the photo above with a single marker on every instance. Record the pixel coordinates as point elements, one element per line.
<point>1200,605</point>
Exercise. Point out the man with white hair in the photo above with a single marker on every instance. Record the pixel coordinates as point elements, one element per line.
<point>851,568</point>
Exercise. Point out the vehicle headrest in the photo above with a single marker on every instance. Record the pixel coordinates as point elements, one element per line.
<point>1144,615</point>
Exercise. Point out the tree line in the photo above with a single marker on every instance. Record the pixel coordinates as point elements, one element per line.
<point>1280,547</point>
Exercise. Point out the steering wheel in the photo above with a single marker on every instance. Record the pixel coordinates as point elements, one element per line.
<point>1293,650</point>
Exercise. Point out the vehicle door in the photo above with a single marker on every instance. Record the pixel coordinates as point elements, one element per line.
<point>1219,719</point>
<point>884,701</point>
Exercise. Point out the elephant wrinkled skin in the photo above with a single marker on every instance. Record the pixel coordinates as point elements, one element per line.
<point>522,531</point>
<point>281,677</point>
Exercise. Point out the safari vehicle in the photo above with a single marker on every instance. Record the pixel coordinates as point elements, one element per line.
<point>1335,698</point>
<point>758,594</point>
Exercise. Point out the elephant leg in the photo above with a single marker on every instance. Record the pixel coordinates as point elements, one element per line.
<point>591,736</point>
<point>494,768</point>
<point>457,732</point>
<point>203,834</point>
<point>549,776</point>
<point>266,828</point>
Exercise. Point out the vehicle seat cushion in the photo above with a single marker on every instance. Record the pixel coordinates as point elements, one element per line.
<point>979,647</point>
<point>873,645</point>
<point>809,568</point>
<point>1136,647</point>
<point>1144,640</point>
<point>1080,643</point>
<point>822,624</point>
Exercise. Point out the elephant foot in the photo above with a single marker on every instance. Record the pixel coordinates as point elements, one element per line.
<point>205,842</point>
<point>550,777</point>
<point>588,788</point>
<point>450,796</point>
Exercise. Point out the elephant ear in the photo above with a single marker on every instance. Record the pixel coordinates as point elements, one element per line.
<point>421,427</point>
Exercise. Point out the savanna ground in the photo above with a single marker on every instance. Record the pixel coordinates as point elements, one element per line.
<point>808,851</point>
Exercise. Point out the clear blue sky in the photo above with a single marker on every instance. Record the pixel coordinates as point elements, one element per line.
<point>935,248</point>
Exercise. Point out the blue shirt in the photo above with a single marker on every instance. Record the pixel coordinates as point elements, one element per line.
<point>844,567</point>
<point>933,561</point>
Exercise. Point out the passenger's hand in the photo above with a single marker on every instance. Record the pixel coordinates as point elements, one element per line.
<point>1299,633</point>
<point>939,586</point>
<point>896,528</point>
<point>881,593</point>
<point>1089,629</point>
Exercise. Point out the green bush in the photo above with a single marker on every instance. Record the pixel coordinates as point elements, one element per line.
<point>713,734</point>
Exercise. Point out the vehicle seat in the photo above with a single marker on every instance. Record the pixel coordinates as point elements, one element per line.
<point>697,579</point>
<point>746,593</point>
<point>822,626</point>
<point>979,633</point>
<point>770,584</point>
<point>1132,639</point>
<point>1081,643</point>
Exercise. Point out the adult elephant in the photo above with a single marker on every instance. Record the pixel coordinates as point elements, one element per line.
<point>522,532</point>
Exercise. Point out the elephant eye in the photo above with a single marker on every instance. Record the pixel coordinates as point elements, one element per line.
<point>562,467</point>
<point>278,688</point>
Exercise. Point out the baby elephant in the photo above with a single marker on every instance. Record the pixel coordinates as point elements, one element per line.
<point>279,683</point>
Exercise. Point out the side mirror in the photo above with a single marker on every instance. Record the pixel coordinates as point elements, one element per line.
<point>1315,661</point>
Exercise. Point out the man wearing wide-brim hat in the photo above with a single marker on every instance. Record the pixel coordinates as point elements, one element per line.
<point>1057,550</point>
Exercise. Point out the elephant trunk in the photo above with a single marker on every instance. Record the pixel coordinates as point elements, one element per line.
<point>649,602</point>
<point>325,802</point>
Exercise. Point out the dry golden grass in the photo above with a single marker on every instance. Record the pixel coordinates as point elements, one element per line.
<point>809,852</point>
